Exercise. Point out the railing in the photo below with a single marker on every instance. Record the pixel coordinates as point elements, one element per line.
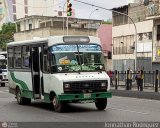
<point>150,79</point>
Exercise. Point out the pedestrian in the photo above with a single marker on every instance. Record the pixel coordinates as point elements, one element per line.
<point>141,82</point>
<point>129,79</point>
<point>139,79</point>
<point>110,74</point>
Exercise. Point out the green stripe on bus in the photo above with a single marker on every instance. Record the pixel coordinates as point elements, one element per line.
<point>20,82</point>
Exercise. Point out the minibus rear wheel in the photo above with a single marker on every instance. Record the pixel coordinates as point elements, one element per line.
<point>58,105</point>
<point>101,103</point>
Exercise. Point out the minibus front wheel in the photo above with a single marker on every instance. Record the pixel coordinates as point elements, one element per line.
<point>101,103</point>
<point>58,105</point>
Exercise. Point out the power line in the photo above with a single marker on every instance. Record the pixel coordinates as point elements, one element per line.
<point>38,7</point>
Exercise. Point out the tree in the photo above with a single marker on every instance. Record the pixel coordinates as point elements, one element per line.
<point>7,34</point>
<point>109,21</point>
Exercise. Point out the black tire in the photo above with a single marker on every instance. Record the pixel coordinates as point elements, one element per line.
<point>101,103</point>
<point>27,101</point>
<point>22,100</point>
<point>58,105</point>
<point>3,84</point>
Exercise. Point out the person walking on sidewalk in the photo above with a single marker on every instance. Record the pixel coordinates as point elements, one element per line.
<point>129,79</point>
<point>139,79</point>
<point>110,74</point>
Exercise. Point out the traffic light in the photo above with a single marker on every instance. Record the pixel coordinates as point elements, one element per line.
<point>69,8</point>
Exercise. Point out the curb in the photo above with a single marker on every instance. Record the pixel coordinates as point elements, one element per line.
<point>136,94</point>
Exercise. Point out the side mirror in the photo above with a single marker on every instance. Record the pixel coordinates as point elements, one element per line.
<point>49,56</point>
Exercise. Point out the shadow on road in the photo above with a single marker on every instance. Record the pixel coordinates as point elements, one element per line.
<point>69,108</point>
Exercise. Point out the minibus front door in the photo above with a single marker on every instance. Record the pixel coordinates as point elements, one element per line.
<point>35,54</point>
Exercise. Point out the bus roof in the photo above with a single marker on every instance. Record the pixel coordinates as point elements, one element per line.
<point>3,52</point>
<point>51,40</point>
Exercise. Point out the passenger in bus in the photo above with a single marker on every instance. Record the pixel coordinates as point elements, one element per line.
<point>26,61</point>
<point>74,62</point>
<point>110,74</point>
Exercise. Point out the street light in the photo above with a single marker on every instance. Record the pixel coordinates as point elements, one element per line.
<point>93,12</point>
<point>135,49</point>
<point>90,17</point>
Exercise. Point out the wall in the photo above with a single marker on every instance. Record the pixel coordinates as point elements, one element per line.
<point>50,31</point>
<point>128,30</point>
<point>105,34</point>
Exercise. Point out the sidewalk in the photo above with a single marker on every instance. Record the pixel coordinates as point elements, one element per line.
<point>147,93</point>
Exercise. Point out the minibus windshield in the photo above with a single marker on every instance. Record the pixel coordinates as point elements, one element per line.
<point>76,58</point>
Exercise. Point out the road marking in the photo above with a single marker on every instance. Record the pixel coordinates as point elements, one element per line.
<point>129,111</point>
<point>137,99</point>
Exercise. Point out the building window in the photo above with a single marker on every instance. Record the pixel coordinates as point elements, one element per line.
<point>150,35</point>
<point>48,24</point>
<point>25,2</point>
<point>14,17</point>
<point>158,32</point>
<point>25,57</point>
<point>59,13</point>
<point>18,27</point>
<point>10,57</point>
<point>140,36</point>
<point>26,10</point>
<point>30,26</point>
<point>1,11</point>
<point>14,8</point>
<point>42,25</point>
<point>17,54</point>
<point>13,1</point>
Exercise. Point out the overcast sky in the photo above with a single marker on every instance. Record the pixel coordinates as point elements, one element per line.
<point>84,11</point>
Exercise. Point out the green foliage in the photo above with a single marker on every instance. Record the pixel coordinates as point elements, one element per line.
<point>107,22</point>
<point>7,34</point>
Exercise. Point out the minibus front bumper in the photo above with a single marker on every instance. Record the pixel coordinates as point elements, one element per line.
<point>84,96</point>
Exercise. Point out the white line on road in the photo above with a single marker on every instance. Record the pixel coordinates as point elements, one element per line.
<point>120,109</point>
<point>138,99</point>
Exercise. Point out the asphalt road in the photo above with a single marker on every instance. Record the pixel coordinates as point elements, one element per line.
<point>119,109</point>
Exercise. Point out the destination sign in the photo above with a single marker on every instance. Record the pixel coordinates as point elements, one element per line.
<point>75,48</point>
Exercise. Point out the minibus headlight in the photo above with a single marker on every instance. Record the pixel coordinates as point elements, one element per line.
<point>66,86</point>
<point>103,84</point>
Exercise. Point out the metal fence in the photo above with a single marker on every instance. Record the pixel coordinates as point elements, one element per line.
<point>150,79</point>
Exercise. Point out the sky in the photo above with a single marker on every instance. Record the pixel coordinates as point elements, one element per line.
<point>85,11</point>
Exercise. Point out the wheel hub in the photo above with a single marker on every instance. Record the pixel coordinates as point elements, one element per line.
<point>54,101</point>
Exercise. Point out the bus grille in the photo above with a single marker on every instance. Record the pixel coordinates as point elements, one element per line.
<point>87,85</point>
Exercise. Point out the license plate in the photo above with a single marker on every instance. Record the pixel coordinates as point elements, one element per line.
<point>87,95</point>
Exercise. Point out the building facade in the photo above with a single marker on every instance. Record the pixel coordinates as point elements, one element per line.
<point>134,41</point>
<point>104,32</point>
<point>44,26</point>
<point>11,10</point>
